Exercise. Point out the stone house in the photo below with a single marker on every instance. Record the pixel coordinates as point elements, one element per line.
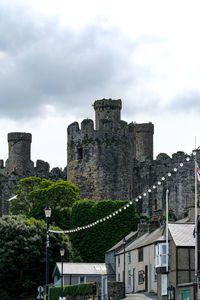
<point>137,259</point>
<point>76,273</point>
<point>178,282</point>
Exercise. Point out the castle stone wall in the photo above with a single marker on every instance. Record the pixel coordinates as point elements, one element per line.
<point>19,165</point>
<point>144,141</point>
<point>107,109</point>
<point>112,161</point>
<point>115,161</point>
<point>19,144</point>
<point>180,184</point>
<point>101,161</point>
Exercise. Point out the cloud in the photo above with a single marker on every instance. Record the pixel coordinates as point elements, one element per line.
<point>45,64</point>
<point>185,102</point>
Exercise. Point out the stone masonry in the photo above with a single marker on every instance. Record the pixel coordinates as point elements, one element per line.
<point>19,165</point>
<point>101,160</point>
<point>113,160</point>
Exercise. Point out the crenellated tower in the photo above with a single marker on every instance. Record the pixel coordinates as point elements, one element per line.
<point>19,152</point>
<point>144,141</point>
<point>101,159</point>
<point>107,110</point>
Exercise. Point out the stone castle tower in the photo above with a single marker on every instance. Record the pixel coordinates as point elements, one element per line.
<point>19,165</point>
<point>19,145</point>
<point>113,160</point>
<point>101,159</point>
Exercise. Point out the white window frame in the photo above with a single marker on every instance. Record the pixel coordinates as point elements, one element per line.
<point>161,255</point>
<point>119,277</point>
<point>118,260</point>
<point>84,279</point>
<point>164,284</point>
<point>129,257</point>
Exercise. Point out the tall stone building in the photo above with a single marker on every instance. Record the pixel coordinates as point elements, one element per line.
<point>111,160</point>
<point>114,160</point>
<point>19,165</point>
<point>101,159</point>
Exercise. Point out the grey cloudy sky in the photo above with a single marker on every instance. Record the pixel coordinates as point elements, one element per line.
<point>58,57</point>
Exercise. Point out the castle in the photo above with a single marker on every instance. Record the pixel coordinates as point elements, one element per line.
<point>113,160</point>
<point>101,160</point>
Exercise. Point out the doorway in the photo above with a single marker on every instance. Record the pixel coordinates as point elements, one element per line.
<point>146,278</point>
<point>134,283</point>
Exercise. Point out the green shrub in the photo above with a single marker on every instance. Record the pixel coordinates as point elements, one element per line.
<point>93,242</point>
<point>72,290</point>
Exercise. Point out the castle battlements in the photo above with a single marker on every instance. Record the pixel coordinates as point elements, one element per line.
<point>19,156</point>
<point>102,154</point>
<point>109,160</point>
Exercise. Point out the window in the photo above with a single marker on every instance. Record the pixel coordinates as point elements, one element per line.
<point>82,279</point>
<point>140,254</point>
<point>80,153</point>
<point>129,257</point>
<point>119,277</point>
<point>155,275</point>
<point>118,259</point>
<point>129,278</point>
<point>161,255</point>
<point>164,284</point>
<point>155,204</point>
<point>140,277</point>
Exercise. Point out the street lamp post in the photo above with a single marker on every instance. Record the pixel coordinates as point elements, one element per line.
<point>62,253</point>
<point>48,216</point>
<point>124,243</point>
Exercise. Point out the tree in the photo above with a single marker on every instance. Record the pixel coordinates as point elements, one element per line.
<point>34,193</point>
<point>93,242</point>
<point>22,255</point>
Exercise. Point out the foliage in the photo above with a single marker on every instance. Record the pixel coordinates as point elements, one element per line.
<point>72,290</point>
<point>144,218</point>
<point>93,242</point>
<point>22,255</point>
<point>34,193</point>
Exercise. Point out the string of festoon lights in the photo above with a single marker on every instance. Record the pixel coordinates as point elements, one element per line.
<point>146,191</point>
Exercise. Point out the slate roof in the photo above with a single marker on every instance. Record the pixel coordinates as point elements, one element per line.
<point>182,234</point>
<point>131,236</point>
<point>84,268</point>
<point>145,239</point>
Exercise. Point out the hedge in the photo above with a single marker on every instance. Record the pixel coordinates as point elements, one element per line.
<point>72,290</point>
<point>93,242</point>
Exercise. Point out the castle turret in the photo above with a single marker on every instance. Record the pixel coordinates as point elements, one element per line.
<point>144,141</point>
<point>107,109</point>
<point>19,152</point>
<point>100,161</point>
